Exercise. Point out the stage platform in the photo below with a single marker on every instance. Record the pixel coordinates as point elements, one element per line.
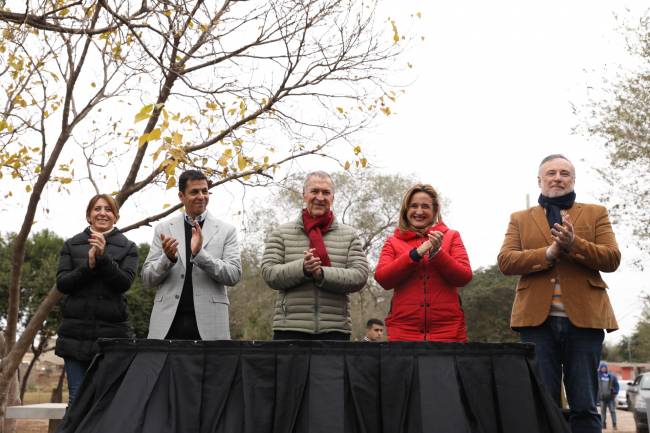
<point>160,386</point>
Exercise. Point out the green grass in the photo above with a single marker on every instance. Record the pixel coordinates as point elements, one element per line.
<point>33,397</point>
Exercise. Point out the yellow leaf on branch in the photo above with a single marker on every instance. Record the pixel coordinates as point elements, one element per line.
<point>241,162</point>
<point>144,113</point>
<point>395,33</point>
<point>171,182</point>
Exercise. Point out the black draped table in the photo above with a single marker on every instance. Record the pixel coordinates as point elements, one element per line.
<point>159,386</point>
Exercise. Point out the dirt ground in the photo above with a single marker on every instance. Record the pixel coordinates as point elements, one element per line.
<point>625,422</point>
<point>31,426</point>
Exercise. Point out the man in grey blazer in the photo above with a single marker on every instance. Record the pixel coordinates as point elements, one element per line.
<point>192,258</point>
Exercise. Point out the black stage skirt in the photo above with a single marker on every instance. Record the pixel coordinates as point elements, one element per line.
<point>160,386</point>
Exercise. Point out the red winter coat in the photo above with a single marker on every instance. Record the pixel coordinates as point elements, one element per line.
<point>425,303</point>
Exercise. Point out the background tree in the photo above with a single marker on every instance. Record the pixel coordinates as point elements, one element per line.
<point>234,88</point>
<point>42,255</point>
<point>635,347</point>
<point>487,301</point>
<point>621,120</point>
<point>251,302</point>
<point>140,299</point>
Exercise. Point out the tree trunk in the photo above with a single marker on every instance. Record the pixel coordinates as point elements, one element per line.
<point>13,400</point>
<point>57,393</point>
<point>12,360</point>
<point>37,351</point>
<point>8,425</point>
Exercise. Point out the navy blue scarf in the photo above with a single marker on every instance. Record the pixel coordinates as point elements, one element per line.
<point>553,206</point>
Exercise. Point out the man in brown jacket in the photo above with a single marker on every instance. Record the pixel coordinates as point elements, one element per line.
<point>561,305</point>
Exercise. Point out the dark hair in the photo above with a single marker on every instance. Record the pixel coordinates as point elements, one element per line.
<point>190,175</point>
<point>111,203</point>
<point>371,322</point>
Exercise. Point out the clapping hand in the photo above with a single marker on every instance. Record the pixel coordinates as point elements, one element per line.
<point>97,245</point>
<point>312,264</point>
<point>432,244</point>
<point>169,246</point>
<point>196,243</point>
<point>563,238</point>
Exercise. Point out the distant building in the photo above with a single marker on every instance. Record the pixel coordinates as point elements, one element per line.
<point>628,370</point>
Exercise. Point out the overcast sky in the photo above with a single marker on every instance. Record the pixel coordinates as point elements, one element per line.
<point>492,95</point>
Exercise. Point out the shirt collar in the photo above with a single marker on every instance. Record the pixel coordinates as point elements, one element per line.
<point>199,219</point>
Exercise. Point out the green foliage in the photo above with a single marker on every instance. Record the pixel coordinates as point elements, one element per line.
<point>487,301</point>
<point>251,302</point>
<point>38,277</point>
<point>139,299</point>
<point>635,347</point>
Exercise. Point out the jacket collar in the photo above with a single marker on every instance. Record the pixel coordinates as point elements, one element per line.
<point>407,235</point>
<point>539,216</point>
<point>299,223</point>
<point>177,229</point>
<point>114,237</point>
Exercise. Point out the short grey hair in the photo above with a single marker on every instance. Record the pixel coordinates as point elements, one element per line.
<point>556,156</point>
<point>552,157</point>
<point>320,174</point>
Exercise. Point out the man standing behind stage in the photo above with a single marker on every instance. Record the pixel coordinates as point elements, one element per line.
<point>374,331</point>
<point>193,257</point>
<point>561,305</point>
<point>314,263</point>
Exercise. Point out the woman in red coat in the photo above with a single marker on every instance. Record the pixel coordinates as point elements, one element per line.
<point>424,262</point>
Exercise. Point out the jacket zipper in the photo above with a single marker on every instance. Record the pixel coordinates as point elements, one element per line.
<point>316,309</point>
<point>424,282</point>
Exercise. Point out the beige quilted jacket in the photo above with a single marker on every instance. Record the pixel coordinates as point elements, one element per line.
<point>302,304</point>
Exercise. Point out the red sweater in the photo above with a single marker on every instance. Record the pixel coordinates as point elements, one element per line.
<point>425,303</point>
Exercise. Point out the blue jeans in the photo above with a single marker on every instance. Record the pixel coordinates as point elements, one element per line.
<point>610,404</point>
<point>561,347</point>
<point>75,370</point>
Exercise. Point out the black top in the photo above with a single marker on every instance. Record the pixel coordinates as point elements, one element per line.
<point>94,306</point>
<point>186,303</point>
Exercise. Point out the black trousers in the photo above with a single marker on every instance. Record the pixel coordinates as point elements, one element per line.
<point>325,336</point>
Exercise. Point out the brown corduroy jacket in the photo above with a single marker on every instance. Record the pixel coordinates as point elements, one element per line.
<point>584,293</point>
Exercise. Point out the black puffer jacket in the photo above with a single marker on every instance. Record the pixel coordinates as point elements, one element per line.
<point>94,306</point>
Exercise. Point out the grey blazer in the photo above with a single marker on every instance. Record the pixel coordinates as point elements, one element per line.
<point>217,265</point>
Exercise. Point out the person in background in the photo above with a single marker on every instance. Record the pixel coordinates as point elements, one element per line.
<point>425,263</point>
<point>559,249</point>
<point>96,267</point>
<point>314,262</point>
<point>607,391</point>
<point>193,256</point>
<point>374,330</point>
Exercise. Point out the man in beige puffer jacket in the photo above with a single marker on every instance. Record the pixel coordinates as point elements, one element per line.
<point>314,263</point>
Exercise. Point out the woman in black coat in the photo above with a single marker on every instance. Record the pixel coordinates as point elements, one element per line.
<point>96,267</point>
